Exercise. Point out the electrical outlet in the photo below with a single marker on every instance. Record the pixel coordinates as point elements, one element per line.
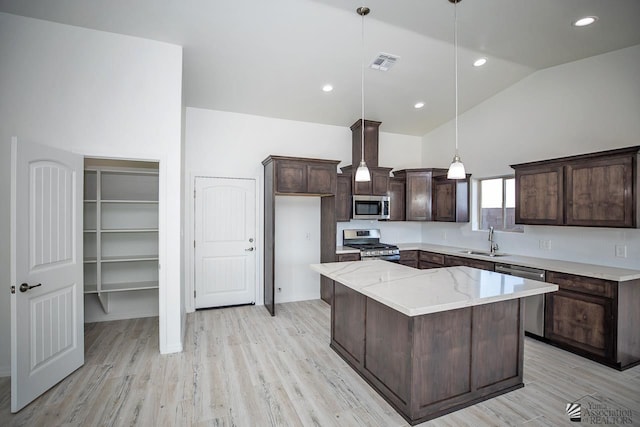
<point>308,236</point>
<point>545,245</point>
<point>621,251</point>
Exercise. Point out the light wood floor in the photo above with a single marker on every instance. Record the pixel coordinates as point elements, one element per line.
<point>241,367</point>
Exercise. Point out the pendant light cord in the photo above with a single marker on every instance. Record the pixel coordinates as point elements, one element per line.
<point>362,93</point>
<point>455,60</point>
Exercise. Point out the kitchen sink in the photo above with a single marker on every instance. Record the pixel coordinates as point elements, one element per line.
<point>489,254</point>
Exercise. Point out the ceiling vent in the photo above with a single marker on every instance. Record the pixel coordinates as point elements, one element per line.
<point>384,61</point>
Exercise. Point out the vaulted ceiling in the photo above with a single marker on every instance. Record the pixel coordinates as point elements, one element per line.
<point>272,58</point>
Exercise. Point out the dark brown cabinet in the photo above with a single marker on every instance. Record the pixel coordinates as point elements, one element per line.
<point>596,189</point>
<point>418,192</point>
<point>450,199</point>
<point>453,261</point>
<point>580,320</point>
<point>595,318</point>
<point>326,286</point>
<point>378,186</point>
<point>305,176</point>
<point>348,257</point>
<point>298,176</point>
<point>409,258</point>
<point>430,260</point>
<point>600,192</point>
<point>343,198</point>
<point>397,199</point>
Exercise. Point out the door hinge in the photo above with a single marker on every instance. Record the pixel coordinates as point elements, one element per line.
<point>194,194</point>
<point>194,243</point>
<point>194,293</point>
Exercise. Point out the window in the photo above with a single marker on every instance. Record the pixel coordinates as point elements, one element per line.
<point>498,203</point>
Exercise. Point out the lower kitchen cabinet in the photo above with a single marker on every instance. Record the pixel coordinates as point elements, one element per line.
<point>453,261</point>
<point>430,260</point>
<point>581,321</point>
<point>595,318</point>
<point>326,287</point>
<point>409,258</point>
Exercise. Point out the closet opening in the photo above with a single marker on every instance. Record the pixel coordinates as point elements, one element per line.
<point>120,239</point>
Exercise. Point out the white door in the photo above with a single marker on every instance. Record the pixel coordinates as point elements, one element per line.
<point>47,330</point>
<point>225,256</point>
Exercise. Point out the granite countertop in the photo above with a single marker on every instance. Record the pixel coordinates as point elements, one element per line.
<point>415,292</point>
<point>581,269</point>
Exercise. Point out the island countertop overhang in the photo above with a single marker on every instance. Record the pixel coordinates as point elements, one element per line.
<point>416,292</point>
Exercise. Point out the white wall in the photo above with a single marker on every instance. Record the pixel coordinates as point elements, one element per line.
<point>233,145</point>
<point>580,107</point>
<point>100,95</point>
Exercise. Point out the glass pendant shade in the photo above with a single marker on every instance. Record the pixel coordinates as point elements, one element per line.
<point>456,170</point>
<point>362,173</point>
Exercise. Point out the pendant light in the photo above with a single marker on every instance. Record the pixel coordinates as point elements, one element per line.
<point>456,170</point>
<point>362,173</point>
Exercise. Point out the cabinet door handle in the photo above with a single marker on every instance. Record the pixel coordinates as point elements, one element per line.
<point>25,287</point>
<point>249,250</point>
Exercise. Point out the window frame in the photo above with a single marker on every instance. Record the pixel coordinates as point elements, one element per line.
<point>504,179</point>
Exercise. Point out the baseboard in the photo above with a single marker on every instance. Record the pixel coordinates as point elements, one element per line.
<point>173,348</point>
<point>5,371</point>
<point>121,316</point>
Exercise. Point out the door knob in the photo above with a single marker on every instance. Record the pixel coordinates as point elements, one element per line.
<point>25,287</point>
<point>249,250</point>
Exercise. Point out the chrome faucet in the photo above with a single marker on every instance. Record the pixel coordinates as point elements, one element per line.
<point>493,246</point>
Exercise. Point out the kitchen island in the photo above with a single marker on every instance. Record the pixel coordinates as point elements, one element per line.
<point>429,341</point>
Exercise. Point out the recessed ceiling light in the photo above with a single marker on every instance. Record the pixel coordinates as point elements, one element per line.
<point>587,20</point>
<point>480,62</point>
<point>327,88</point>
<point>419,105</point>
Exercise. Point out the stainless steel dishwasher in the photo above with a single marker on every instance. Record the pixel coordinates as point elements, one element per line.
<point>534,305</point>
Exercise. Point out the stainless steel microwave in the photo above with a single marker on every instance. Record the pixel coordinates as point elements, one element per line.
<point>371,207</point>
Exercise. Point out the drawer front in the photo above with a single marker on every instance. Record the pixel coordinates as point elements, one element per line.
<point>425,265</point>
<point>432,258</point>
<point>348,257</point>
<point>408,255</point>
<point>452,261</point>
<point>587,285</point>
<point>413,263</point>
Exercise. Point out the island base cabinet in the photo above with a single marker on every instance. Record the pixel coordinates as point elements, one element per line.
<point>430,365</point>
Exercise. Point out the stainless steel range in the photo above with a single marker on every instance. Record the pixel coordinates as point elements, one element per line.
<point>368,241</point>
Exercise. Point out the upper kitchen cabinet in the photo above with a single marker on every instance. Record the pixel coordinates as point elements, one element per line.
<point>451,199</point>
<point>343,198</point>
<point>378,186</point>
<point>596,190</point>
<point>600,191</point>
<point>539,194</point>
<point>304,176</point>
<point>418,192</point>
<point>396,199</point>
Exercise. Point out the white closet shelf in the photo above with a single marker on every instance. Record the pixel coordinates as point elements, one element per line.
<point>120,287</point>
<point>129,201</point>
<point>91,230</point>
<point>129,258</point>
<point>90,260</point>
<point>130,230</point>
<point>90,200</point>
